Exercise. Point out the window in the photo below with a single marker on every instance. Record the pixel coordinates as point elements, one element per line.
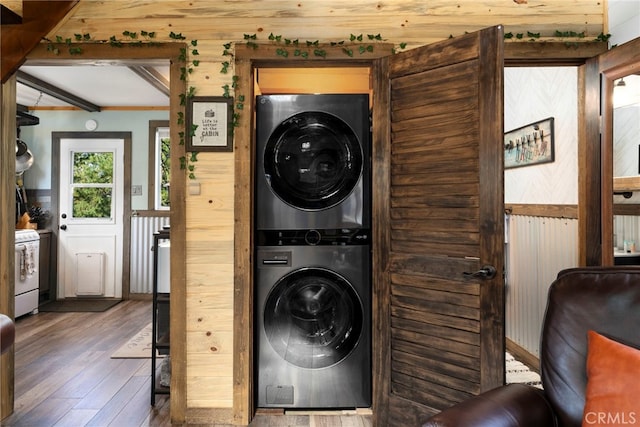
<point>92,185</point>
<point>159,169</point>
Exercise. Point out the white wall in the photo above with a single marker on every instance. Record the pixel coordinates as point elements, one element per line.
<point>38,139</point>
<point>530,95</point>
<point>624,20</point>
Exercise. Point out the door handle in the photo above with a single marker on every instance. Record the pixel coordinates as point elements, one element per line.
<point>485,273</point>
<point>63,227</point>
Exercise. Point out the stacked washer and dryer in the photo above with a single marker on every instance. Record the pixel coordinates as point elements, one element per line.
<point>313,253</point>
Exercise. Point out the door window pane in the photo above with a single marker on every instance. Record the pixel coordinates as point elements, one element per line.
<point>92,202</point>
<point>92,168</point>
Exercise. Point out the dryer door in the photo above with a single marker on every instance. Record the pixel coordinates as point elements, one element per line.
<point>313,318</point>
<point>313,160</point>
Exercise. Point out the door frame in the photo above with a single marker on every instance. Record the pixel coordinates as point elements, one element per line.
<point>603,70</point>
<point>171,52</point>
<point>247,60</point>
<point>56,138</point>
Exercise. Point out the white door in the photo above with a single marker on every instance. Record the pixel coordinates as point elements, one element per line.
<point>91,217</point>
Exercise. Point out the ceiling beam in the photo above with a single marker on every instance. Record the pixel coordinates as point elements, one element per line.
<point>153,77</point>
<point>56,92</point>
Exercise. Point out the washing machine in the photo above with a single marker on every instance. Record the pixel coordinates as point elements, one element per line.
<point>313,319</point>
<point>313,161</point>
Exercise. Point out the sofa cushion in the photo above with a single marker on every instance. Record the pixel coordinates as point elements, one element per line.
<point>613,383</point>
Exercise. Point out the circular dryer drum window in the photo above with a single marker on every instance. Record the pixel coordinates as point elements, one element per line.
<point>313,160</point>
<point>313,318</point>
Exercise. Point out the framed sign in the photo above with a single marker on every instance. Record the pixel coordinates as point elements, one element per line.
<point>529,145</point>
<point>209,124</point>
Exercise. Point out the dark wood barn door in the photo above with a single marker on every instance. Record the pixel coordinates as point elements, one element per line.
<point>446,219</point>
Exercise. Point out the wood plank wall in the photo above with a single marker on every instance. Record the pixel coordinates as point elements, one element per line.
<point>210,215</point>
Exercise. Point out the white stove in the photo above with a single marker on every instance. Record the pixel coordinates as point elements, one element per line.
<point>26,276</point>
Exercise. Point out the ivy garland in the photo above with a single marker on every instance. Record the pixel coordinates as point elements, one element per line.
<point>286,47</point>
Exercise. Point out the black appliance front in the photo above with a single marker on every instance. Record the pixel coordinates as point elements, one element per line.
<point>313,161</point>
<point>313,333</point>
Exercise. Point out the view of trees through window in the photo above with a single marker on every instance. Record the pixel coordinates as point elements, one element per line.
<point>92,184</point>
<point>165,171</point>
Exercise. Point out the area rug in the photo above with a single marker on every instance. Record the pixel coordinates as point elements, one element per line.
<point>79,304</point>
<point>518,372</point>
<point>138,346</point>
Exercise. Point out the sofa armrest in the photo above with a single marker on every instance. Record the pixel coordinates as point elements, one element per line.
<point>7,333</point>
<point>508,406</point>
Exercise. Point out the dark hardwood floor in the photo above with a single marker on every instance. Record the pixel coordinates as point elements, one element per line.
<point>65,376</point>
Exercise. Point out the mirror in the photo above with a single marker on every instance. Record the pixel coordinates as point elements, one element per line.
<point>626,169</point>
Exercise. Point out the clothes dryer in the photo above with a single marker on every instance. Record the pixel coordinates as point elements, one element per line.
<point>313,161</point>
<point>313,320</point>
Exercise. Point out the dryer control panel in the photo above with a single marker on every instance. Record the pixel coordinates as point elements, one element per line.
<point>313,237</point>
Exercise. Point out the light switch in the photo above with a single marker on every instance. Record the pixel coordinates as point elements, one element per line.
<point>136,190</point>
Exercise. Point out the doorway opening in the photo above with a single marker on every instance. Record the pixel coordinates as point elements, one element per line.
<point>313,179</point>
<point>169,52</point>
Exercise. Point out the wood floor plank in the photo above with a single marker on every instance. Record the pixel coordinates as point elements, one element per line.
<point>76,417</point>
<point>47,413</point>
<point>112,409</point>
<point>110,385</point>
<point>134,412</point>
<point>90,377</point>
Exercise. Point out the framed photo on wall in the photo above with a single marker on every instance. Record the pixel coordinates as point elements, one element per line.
<point>209,123</point>
<point>529,145</point>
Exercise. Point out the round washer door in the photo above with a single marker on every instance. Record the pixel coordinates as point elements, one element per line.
<point>313,318</point>
<point>313,160</point>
